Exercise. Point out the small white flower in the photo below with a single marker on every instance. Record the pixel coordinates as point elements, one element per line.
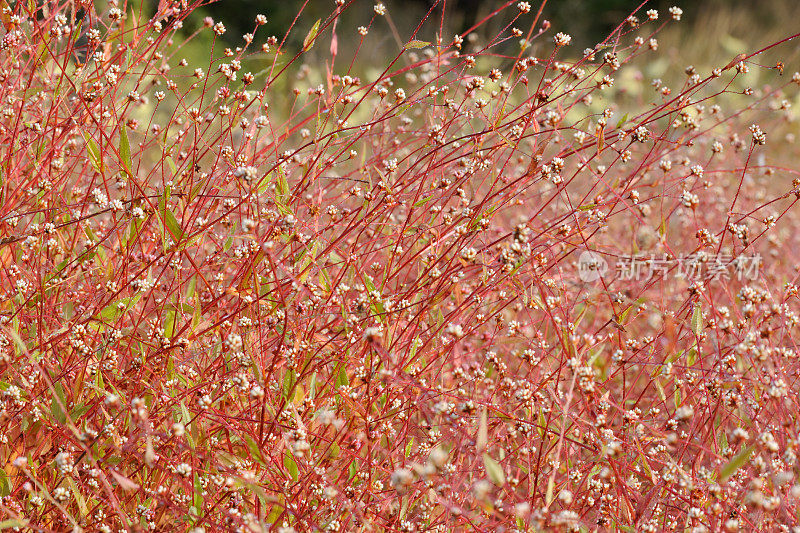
<point>562,39</point>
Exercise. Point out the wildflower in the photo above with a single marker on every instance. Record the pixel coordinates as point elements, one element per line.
<point>689,200</point>
<point>362,30</point>
<point>562,39</point>
<point>641,134</point>
<point>184,470</point>
<point>455,330</point>
<point>652,14</point>
<point>261,19</point>
<point>676,12</point>
<point>524,7</point>
<point>606,82</point>
<point>219,28</point>
<point>379,9</point>
<point>759,137</point>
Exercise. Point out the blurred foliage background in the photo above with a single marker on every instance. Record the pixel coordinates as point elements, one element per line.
<point>588,21</point>
<point>710,33</point>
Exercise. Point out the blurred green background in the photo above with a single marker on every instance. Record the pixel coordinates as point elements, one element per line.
<point>710,33</point>
<point>586,20</point>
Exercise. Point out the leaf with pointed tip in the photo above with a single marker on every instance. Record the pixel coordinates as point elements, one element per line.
<point>738,461</point>
<point>125,151</point>
<point>697,320</point>
<point>494,471</point>
<point>483,431</point>
<point>308,42</point>
<point>417,44</point>
<point>94,154</point>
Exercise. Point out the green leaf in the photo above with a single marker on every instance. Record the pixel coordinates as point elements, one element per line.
<point>308,42</point>
<point>84,510</point>
<point>341,379</point>
<point>423,201</point>
<point>186,417</point>
<point>417,44</point>
<point>288,385</point>
<point>263,183</point>
<point>59,399</point>
<point>198,494</point>
<point>125,150</point>
<point>548,497</point>
<point>738,461</point>
<point>697,320</point>
<point>5,486</point>
<point>191,287</point>
<point>13,523</point>
<point>171,164</point>
<point>409,447</point>
<point>291,466</point>
<point>661,393</point>
<point>116,309</point>
<point>173,225</point>
<point>131,232</point>
<point>494,470</point>
<point>170,322</point>
<point>282,189</point>
<point>94,154</point>
<point>691,357</point>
